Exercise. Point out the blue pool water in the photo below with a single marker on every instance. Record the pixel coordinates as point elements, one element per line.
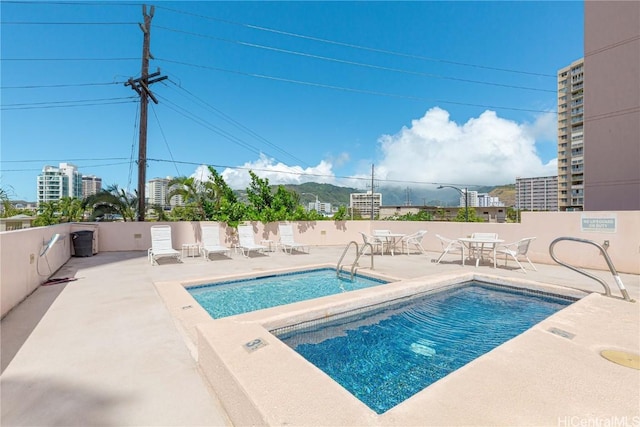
<point>387,355</point>
<point>241,296</point>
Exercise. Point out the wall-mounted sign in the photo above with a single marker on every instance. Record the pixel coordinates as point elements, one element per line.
<point>600,224</point>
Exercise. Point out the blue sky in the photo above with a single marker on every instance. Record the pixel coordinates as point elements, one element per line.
<point>428,92</point>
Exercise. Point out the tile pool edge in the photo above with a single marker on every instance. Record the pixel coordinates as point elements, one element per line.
<point>276,385</point>
<point>187,312</point>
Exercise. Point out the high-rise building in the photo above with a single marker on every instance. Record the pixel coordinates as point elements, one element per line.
<point>91,185</point>
<point>471,198</point>
<point>55,183</point>
<point>537,194</point>
<point>612,105</point>
<point>362,203</point>
<point>571,136</point>
<point>157,191</point>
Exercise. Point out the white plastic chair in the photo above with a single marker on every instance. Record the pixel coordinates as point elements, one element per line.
<point>287,241</point>
<point>247,241</point>
<point>449,246</point>
<point>211,242</point>
<point>377,243</point>
<point>517,250</point>
<point>161,246</point>
<point>414,239</point>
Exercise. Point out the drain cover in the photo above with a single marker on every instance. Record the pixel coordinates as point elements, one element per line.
<point>623,358</point>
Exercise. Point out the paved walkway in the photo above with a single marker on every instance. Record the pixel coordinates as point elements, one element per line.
<point>103,349</point>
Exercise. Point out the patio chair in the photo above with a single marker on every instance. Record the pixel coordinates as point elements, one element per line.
<point>247,241</point>
<point>449,246</point>
<point>287,241</point>
<point>414,239</point>
<point>517,250</point>
<point>161,246</point>
<point>211,242</point>
<point>377,243</point>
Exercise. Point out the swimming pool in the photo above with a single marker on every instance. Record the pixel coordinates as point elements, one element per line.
<point>241,296</point>
<point>385,355</point>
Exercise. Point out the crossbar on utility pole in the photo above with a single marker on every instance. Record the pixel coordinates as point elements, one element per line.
<point>141,86</point>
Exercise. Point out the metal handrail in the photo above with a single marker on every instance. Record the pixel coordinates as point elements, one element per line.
<point>359,253</point>
<point>607,290</point>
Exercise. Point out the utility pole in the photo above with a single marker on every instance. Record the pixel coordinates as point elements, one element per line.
<point>141,86</point>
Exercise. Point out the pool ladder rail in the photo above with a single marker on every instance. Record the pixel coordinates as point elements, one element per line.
<point>359,253</point>
<point>603,252</point>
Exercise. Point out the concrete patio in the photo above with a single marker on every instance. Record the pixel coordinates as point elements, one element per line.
<point>105,350</point>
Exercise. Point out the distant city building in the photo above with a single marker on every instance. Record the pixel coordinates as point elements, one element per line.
<point>91,185</point>
<point>361,203</point>
<point>486,201</point>
<point>571,171</point>
<point>157,191</point>
<point>320,207</point>
<point>472,198</point>
<point>612,105</point>
<point>55,183</point>
<point>537,194</point>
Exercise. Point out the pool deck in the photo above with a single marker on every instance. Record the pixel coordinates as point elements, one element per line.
<point>106,350</point>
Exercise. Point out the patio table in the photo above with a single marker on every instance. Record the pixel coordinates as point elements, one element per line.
<point>392,239</point>
<point>475,244</point>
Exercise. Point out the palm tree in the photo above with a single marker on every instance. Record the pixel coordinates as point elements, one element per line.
<point>114,200</point>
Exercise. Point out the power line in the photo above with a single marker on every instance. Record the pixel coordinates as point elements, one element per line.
<point>70,59</point>
<point>61,85</point>
<point>61,160</point>
<point>346,89</point>
<point>359,64</point>
<point>354,46</point>
<point>166,142</point>
<point>317,175</point>
<point>239,125</point>
<point>65,23</point>
<point>128,101</point>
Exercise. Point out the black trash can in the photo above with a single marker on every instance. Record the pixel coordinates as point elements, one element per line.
<point>82,243</point>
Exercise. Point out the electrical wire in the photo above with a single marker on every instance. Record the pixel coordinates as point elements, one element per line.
<point>166,143</point>
<point>346,89</point>
<point>237,124</point>
<point>359,64</point>
<point>62,85</point>
<point>3,108</point>
<point>354,46</point>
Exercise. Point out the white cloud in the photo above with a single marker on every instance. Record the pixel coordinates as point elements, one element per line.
<point>544,128</point>
<point>278,173</point>
<point>486,150</point>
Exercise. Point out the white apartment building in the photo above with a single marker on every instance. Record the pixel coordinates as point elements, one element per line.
<point>571,137</point>
<point>473,198</point>
<point>537,194</point>
<point>55,183</point>
<point>157,190</point>
<point>91,185</point>
<point>362,204</point>
<point>486,201</point>
<point>320,207</point>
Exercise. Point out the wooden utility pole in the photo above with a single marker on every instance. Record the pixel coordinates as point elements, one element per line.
<point>141,86</point>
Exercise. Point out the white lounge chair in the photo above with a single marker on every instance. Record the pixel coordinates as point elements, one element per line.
<point>287,241</point>
<point>161,246</point>
<point>449,246</point>
<point>414,239</point>
<point>516,250</point>
<point>211,242</point>
<point>247,241</point>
